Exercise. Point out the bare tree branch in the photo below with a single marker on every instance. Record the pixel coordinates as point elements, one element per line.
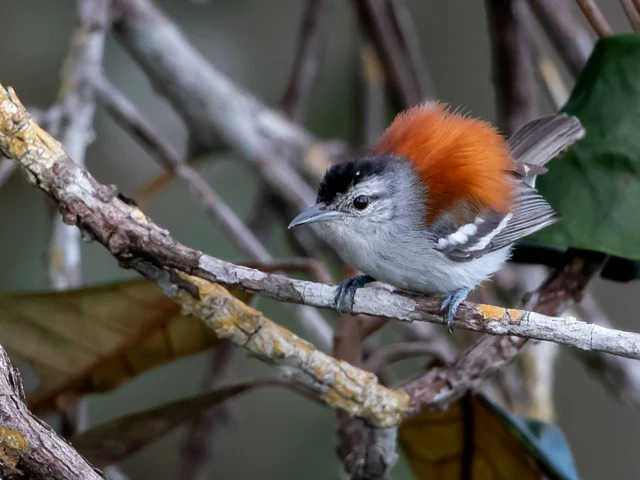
<point>126,240</point>
<point>441,386</point>
<point>136,242</point>
<point>571,40</point>
<point>408,35</point>
<point>376,19</point>
<point>620,375</point>
<point>77,108</point>
<point>76,130</point>
<point>211,106</point>
<point>370,94</point>
<point>550,77</point>
<point>632,14</point>
<point>129,116</point>
<point>389,354</point>
<point>312,45</point>
<point>513,72</point>
<point>197,443</point>
<point>30,447</point>
<point>595,17</point>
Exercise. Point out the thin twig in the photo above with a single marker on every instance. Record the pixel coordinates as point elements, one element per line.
<point>632,14</point>
<point>441,386</point>
<point>312,45</point>
<point>310,53</point>
<point>377,21</point>
<point>571,39</point>
<point>595,17</point>
<point>370,301</point>
<point>408,35</point>
<point>389,354</point>
<point>77,102</point>
<point>129,116</point>
<point>513,72</point>
<point>97,208</point>
<point>550,77</point>
<point>211,105</point>
<point>428,332</point>
<point>620,375</point>
<point>370,94</point>
<point>311,48</point>
<point>197,442</point>
<point>136,242</point>
<point>539,363</point>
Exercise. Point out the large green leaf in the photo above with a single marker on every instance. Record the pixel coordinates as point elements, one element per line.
<point>596,186</point>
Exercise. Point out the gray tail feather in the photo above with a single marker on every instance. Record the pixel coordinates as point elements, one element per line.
<point>538,141</point>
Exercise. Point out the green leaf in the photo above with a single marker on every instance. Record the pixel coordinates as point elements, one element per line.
<point>596,185</point>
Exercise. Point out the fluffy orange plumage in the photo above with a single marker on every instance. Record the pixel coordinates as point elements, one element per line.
<point>460,159</point>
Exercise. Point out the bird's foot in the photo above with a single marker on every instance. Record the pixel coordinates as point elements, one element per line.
<point>451,303</point>
<point>347,289</point>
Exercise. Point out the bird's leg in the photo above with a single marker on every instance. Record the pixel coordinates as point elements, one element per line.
<point>347,289</point>
<point>451,303</point>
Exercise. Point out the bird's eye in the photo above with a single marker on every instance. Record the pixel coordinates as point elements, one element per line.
<point>361,202</point>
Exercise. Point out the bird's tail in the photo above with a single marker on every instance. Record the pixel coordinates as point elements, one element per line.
<point>540,140</point>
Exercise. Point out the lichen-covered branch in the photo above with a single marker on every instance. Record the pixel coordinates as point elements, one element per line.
<point>128,234</point>
<point>29,448</point>
<point>125,112</point>
<point>136,242</point>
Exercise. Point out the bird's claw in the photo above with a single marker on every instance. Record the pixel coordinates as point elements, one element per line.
<point>451,303</point>
<point>347,289</point>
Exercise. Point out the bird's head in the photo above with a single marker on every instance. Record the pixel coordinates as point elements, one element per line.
<point>364,193</point>
<point>429,163</point>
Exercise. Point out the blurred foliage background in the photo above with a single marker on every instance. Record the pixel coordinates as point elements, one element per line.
<point>273,433</point>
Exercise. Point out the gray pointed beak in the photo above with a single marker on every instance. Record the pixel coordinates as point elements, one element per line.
<point>318,213</point>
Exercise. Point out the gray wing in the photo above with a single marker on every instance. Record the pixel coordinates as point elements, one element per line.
<point>540,140</point>
<point>491,230</point>
<point>532,146</point>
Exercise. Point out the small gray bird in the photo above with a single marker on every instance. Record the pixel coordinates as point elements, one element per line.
<point>438,205</point>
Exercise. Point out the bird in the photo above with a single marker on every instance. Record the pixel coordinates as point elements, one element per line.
<point>437,204</point>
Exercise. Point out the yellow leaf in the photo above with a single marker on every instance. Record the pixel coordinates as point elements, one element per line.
<point>95,338</point>
<point>467,437</point>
